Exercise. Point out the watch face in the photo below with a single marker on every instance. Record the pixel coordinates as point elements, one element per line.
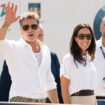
<point>97,20</point>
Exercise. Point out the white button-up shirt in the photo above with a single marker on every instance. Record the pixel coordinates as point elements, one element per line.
<point>28,78</point>
<point>99,63</point>
<point>81,77</point>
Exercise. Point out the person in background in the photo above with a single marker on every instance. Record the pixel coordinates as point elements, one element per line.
<point>78,74</point>
<point>5,83</point>
<point>99,62</point>
<point>28,59</point>
<point>55,66</point>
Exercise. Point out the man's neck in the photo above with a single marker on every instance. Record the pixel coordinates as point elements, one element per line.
<point>35,46</point>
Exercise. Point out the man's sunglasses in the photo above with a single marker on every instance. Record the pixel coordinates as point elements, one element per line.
<point>83,36</point>
<point>33,26</point>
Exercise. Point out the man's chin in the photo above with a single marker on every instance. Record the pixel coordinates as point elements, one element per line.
<point>30,41</point>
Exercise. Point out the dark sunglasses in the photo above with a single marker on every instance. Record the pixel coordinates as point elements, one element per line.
<point>83,36</point>
<point>33,26</point>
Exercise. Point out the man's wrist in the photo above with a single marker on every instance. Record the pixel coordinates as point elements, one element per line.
<point>5,25</point>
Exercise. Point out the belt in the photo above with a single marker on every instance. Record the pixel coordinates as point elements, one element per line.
<point>83,93</point>
<point>25,99</point>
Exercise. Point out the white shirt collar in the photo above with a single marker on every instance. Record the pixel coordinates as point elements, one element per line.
<point>24,43</point>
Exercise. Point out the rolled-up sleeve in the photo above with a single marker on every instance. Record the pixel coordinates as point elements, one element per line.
<point>51,84</point>
<point>4,47</point>
<point>65,68</point>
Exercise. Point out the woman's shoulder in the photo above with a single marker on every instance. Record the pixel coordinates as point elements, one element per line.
<point>67,56</point>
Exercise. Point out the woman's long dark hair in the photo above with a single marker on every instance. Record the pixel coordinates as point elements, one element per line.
<point>75,49</point>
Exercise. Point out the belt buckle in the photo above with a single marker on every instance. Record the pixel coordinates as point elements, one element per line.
<point>39,100</point>
<point>29,99</point>
<point>77,93</point>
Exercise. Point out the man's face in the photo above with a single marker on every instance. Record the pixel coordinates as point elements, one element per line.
<point>30,30</point>
<point>102,28</point>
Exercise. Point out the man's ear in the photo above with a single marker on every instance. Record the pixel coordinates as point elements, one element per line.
<point>100,28</point>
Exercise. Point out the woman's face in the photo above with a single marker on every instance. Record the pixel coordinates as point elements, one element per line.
<point>83,39</point>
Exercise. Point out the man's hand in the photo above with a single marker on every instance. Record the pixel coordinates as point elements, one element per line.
<point>11,10</point>
<point>53,96</point>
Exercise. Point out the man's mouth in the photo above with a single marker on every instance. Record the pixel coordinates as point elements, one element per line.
<point>30,35</point>
<point>40,35</point>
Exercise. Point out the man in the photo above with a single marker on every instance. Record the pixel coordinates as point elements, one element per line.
<point>100,62</point>
<point>5,83</point>
<point>28,60</point>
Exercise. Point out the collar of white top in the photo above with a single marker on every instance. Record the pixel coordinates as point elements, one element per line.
<point>24,43</point>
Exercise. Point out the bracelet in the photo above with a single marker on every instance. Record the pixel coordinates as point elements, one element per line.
<point>5,25</point>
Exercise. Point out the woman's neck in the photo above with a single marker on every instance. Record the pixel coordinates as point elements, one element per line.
<point>83,53</point>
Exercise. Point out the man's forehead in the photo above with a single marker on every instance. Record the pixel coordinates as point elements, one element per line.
<point>30,20</point>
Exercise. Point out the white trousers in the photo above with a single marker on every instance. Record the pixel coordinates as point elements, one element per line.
<point>90,100</point>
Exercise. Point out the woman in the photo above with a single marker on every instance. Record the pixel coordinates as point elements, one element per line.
<point>78,75</point>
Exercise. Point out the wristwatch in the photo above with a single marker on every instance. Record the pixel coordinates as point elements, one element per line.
<point>5,25</point>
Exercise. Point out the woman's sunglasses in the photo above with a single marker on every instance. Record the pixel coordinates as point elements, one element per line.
<point>33,26</point>
<point>83,36</point>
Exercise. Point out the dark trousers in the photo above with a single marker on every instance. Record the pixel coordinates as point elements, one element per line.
<point>100,102</point>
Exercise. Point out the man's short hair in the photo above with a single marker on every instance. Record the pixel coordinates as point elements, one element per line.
<point>28,15</point>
